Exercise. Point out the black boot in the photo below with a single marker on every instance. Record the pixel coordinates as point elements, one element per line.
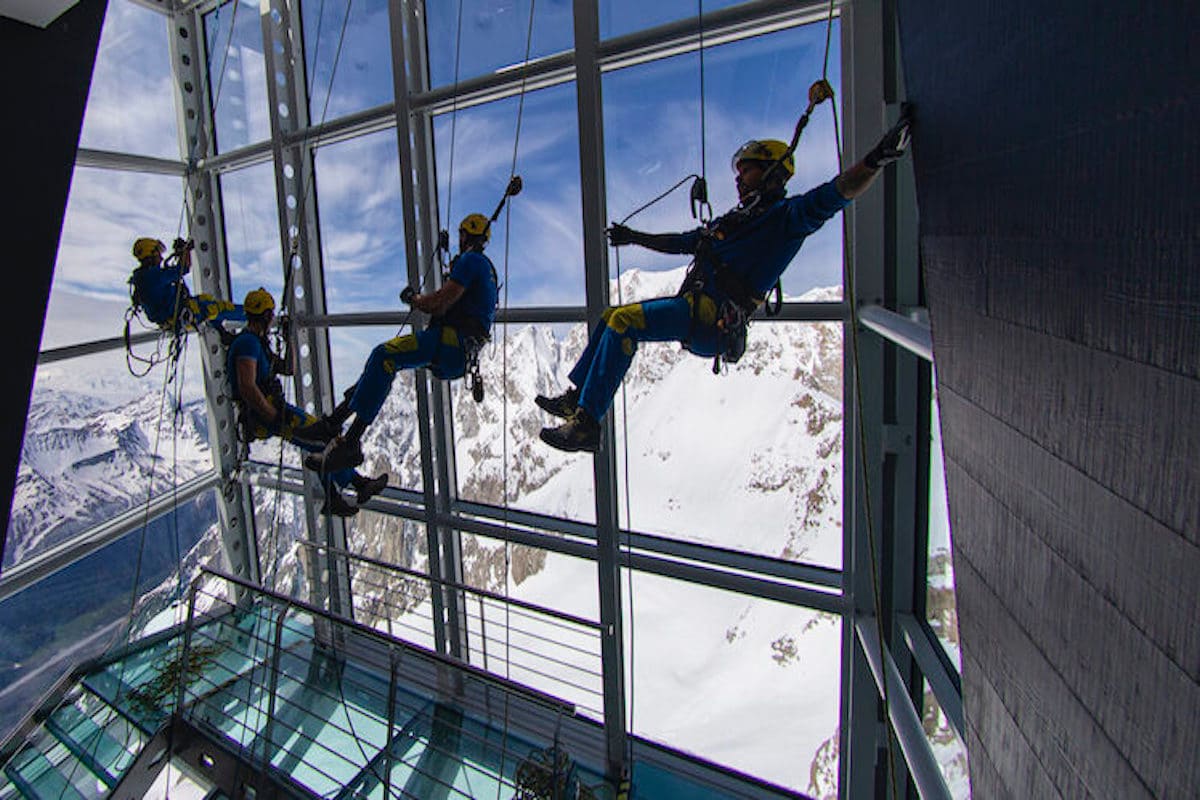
<point>336,505</point>
<point>562,406</point>
<point>342,452</point>
<point>580,432</point>
<point>365,488</point>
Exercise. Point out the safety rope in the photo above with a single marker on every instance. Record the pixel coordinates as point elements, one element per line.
<point>849,268</point>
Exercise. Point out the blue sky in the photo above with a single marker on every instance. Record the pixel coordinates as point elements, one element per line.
<point>753,89</point>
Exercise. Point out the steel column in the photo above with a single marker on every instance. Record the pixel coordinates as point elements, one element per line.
<point>295,190</point>
<point>206,227</point>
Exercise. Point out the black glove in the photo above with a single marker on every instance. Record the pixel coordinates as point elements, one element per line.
<point>285,327</point>
<point>407,294</point>
<point>180,246</point>
<point>894,142</point>
<point>618,235</point>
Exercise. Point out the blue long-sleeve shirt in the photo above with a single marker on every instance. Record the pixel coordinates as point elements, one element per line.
<point>760,250</point>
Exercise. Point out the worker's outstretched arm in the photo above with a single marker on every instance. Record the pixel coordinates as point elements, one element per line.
<point>677,243</point>
<point>856,179</point>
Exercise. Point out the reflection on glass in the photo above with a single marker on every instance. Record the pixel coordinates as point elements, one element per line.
<point>362,224</point>
<point>392,444</point>
<point>750,460</point>
<point>252,232</point>
<point>948,749</point>
<point>106,211</point>
<point>545,263</point>
<point>940,607</point>
<point>618,17</point>
<point>133,71</point>
<point>747,683</point>
<point>538,478</point>
<point>651,104</point>
<point>237,75</point>
<point>493,36</point>
<point>99,442</point>
<point>358,62</point>
<point>79,612</point>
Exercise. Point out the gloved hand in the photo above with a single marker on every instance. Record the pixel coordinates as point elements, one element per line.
<point>180,246</point>
<point>894,142</point>
<point>407,294</point>
<point>285,327</point>
<point>619,234</point>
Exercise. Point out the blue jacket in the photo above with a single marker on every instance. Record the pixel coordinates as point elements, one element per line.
<point>154,290</point>
<point>760,250</point>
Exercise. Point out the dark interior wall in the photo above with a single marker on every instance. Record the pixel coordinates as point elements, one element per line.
<point>47,74</point>
<point>1056,156</point>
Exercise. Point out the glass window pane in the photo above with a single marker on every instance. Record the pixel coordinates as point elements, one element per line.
<point>237,75</point>
<point>106,211</point>
<point>392,444</point>
<point>494,34</point>
<point>358,62</point>
<point>544,240</point>
<point>131,106</point>
<point>252,231</point>
<point>708,667</point>
<point>535,359</point>
<point>750,460</point>
<point>99,442</point>
<point>618,17</point>
<point>940,606</point>
<point>362,224</point>
<point>79,612</point>
<point>948,749</point>
<point>754,89</point>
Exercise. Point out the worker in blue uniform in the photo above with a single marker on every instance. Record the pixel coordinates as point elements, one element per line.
<point>254,371</point>
<point>461,311</point>
<point>158,288</point>
<point>739,257</point>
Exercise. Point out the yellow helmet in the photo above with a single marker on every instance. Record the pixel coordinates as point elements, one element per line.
<point>145,248</point>
<point>258,301</point>
<point>476,225</point>
<point>766,150</point>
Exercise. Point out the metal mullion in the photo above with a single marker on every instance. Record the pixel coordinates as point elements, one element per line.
<point>944,684</point>
<point>906,721</point>
<point>415,159</point>
<point>129,162</point>
<point>439,391</point>
<point>590,110</point>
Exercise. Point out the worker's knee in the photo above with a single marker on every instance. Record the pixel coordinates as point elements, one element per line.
<point>622,318</point>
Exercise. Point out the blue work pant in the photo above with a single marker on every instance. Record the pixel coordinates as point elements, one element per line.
<point>437,348</point>
<point>291,426</point>
<point>610,349</point>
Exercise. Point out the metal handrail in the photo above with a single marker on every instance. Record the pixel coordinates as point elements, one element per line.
<point>449,584</point>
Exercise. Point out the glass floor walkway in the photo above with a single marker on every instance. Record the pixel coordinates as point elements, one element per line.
<point>276,699</point>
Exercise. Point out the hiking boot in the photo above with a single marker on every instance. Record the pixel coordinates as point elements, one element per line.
<point>336,505</point>
<point>319,431</point>
<point>340,453</point>
<point>562,406</point>
<point>366,488</point>
<point>580,432</point>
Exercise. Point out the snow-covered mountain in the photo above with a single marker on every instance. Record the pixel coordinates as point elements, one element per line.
<point>748,460</point>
